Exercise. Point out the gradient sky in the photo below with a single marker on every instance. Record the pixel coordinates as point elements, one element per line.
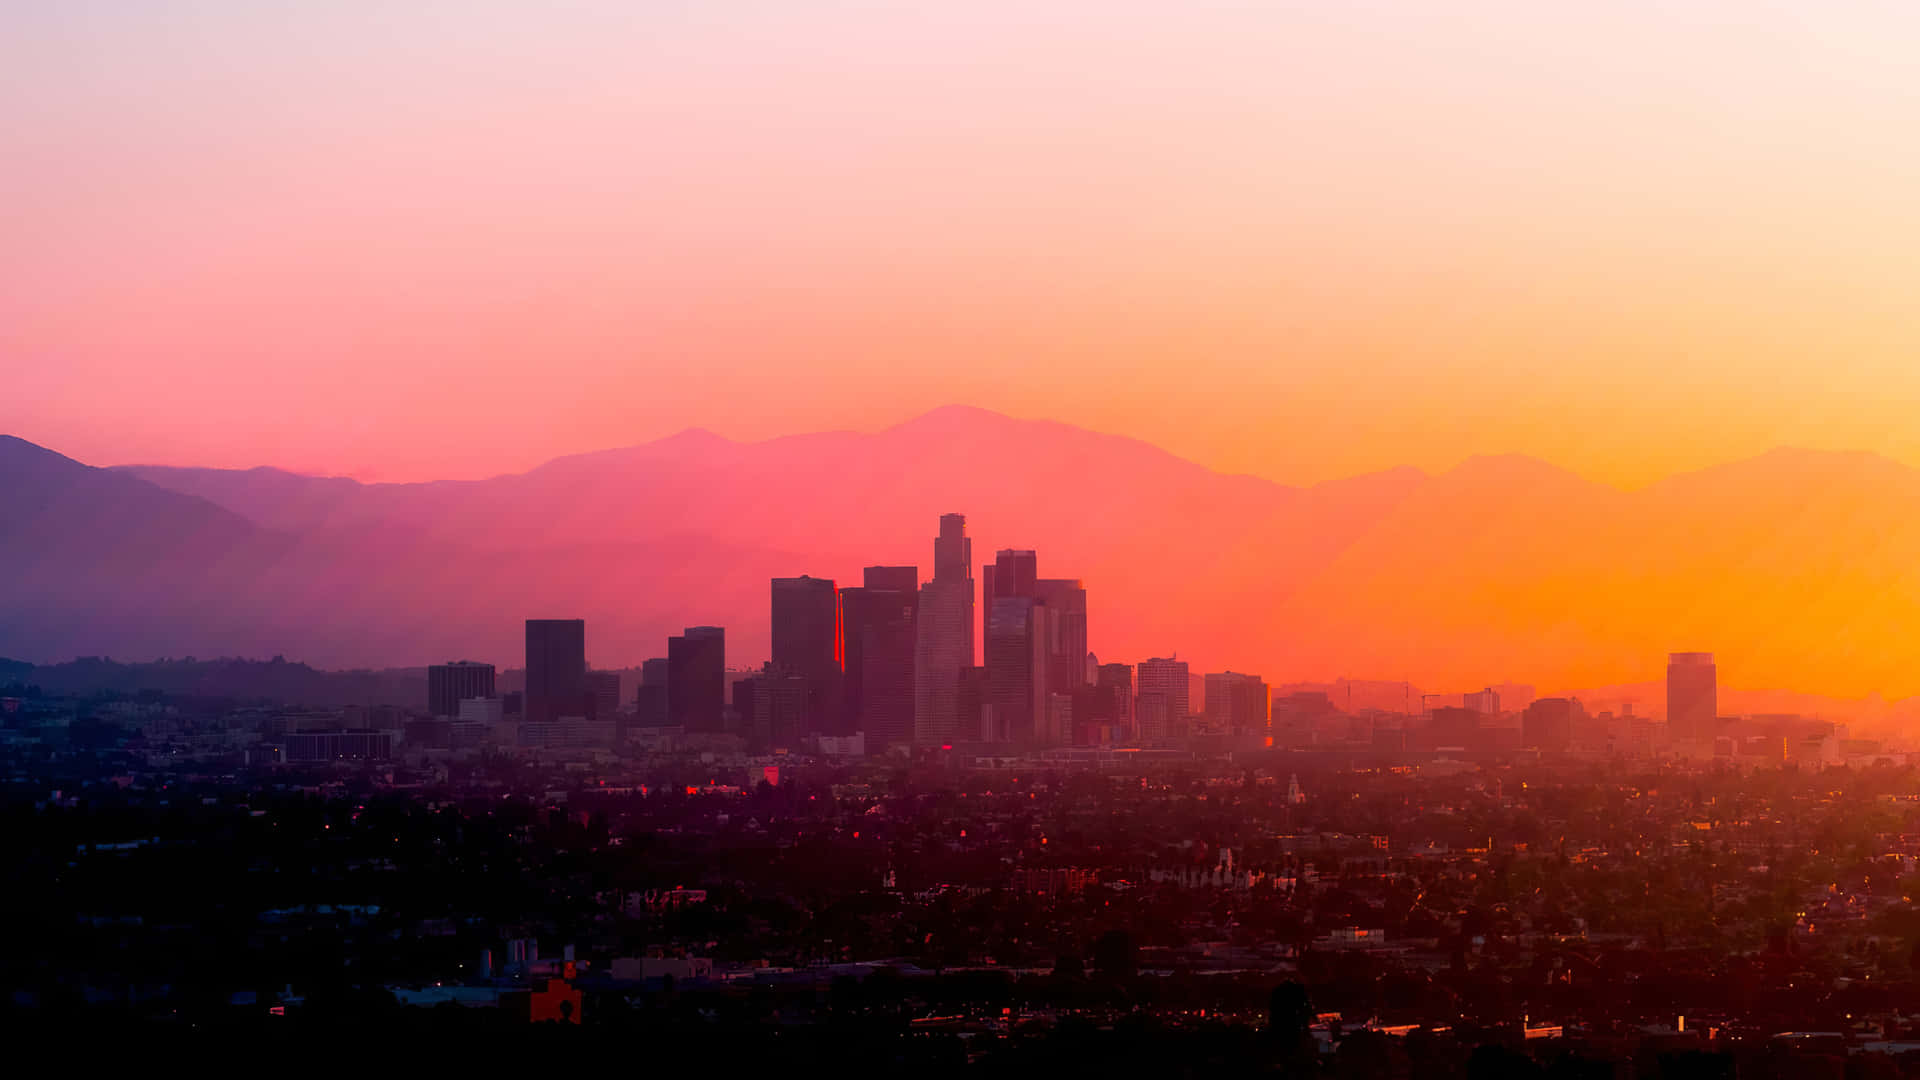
<point>1301,240</point>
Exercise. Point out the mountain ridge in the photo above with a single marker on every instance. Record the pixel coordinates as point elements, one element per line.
<point>1800,567</point>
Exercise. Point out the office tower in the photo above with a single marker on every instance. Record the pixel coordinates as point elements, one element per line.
<point>1016,573</point>
<point>1067,645</point>
<point>1693,702</point>
<point>881,619</point>
<point>943,639</point>
<point>1237,704</point>
<point>1019,633</point>
<point>603,695</point>
<point>1485,702</point>
<point>452,683</point>
<point>1547,723</point>
<point>1114,688</point>
<point>556,669</point>
<point>696,679</point>
<point>650,701</point>
<point>953,550</point>
<point>775,705</point>
<point>809,640</point>
<point>1167,679</point>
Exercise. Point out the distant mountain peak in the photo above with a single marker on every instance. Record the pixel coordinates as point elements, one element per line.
<point>694,438</point>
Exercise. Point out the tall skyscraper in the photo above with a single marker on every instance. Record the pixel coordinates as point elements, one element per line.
<point>943,638</point>
<point>696,679</point>
<point>452,683</point>
<point>1693,702</point>
<point>556,669</point>
<point>1115,689</point>
<point>1019,632</point>
<point>953,550</point>
<point>1067,646</point>
<point>881,620</point>
<point>809,640</point>
<point>1013,572</point>
<point>1237,704</point>
<point>650,701</point>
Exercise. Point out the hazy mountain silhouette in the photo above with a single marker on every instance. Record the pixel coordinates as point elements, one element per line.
<point>1800,569</point>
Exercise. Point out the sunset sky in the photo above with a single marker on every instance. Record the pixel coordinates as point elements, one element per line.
<point>1301,240</point>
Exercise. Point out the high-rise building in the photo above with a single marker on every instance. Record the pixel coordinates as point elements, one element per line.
<point>1485,702</point>
<point>556,669</point>
<point>1162,691</point>
<point>696,679</point>
<point>1067,647</point>
<point>775,705</point>
<point>1019,633</point>
<point>1013,572</point>
<point>650,701</point>
<point>1693,702</point>
<point>452,683</point>
<point>809,640</point>
<point>953,550</point>
<point>881,619</point>
<point>1114,688</point>
<point>1547,723</point>
<point>1168,679</point>
<point>943,639</point>
<point>1237,704</point>
<point>603,695</point>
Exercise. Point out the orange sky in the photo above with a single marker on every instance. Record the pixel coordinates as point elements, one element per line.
<point>1299,240</point>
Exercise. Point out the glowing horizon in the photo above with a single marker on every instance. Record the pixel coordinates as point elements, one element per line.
<point>458,240</point>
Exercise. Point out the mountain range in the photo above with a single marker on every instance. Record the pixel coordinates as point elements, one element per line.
<point>1797,568</point>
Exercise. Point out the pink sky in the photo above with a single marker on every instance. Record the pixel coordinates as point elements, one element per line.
<point>1300,240</point>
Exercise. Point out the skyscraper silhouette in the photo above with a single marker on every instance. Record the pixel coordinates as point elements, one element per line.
<point>1693,702</point>
<point>696,679</point>
<point>881,621</point>
<point>809,640</point>
<point>1163,690</point>
<point>1017,632</point>
<point>943,638</point>
<point>1237,704</point>
<point>650,701</point>
<point>556,669</point>
<point>452,683</point>
<point>1067,645</point>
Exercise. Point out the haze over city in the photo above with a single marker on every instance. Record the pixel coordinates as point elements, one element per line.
<point>1376,539</point>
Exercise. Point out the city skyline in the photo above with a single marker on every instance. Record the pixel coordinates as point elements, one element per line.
<point>1284,539</point>
<point>1572,584</point>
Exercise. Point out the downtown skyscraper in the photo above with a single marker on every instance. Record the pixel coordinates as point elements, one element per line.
<point>881,619</point>
<point>1035,638</point>
<point>809,640</point>
<point>943,638</point>
<point>556,669</point>
<point>1693,703</point>
<point>696,679</point>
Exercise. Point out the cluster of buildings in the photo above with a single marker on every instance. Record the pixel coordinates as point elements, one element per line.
<point>863,669</point>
